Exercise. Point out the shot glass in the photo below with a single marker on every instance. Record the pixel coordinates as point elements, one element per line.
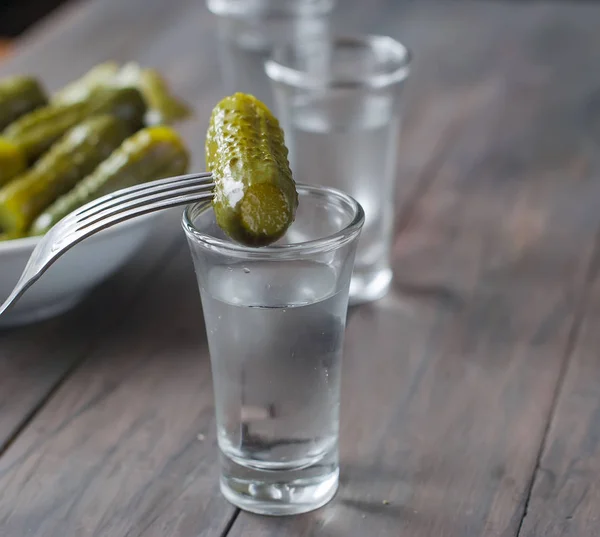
<point>339,103</point>
<point>249,29</point>
<point>275,320</point>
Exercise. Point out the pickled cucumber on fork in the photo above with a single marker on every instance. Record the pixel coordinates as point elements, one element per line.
<point>35,132</point>
<point>255,196</point>
<point>19,95</point>
<point>150,154</point>
<point>73,157</point>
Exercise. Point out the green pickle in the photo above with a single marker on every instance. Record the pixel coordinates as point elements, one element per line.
<point>163,106</point>
<point>12,160</point>
<point>73,157</point>
<point>18,96</point>
<point>37,131</point>
<point>8,236</point>
<point>150,154</point>
<point>80,89</point>
<point>255,197</point>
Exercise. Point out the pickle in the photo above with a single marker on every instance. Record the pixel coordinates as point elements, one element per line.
<point>255,197</point>
<point>9,236</point>
<point>163,106</point>
<point>18,96</point>
<point>12,160</point>
<point>80,89</point>
<point>152,153</point>
<point>73,157</point>
<point>37,131</point>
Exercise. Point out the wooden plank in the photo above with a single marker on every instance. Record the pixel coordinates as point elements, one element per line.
<point>109,500</point>
<point>127,446</point>
<point>565,495</point>
<point>449,419</point>
<point>449,382</point>
<point>87,455</point>
<point>34,359</point>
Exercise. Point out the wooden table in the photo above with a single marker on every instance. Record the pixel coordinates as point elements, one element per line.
<point>471,393</point>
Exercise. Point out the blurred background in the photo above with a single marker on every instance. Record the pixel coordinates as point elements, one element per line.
<point>18,15</point>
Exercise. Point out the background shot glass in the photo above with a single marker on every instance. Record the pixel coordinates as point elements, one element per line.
<point>275,320</point>
<point>339,103</point>
<point>249,29</point>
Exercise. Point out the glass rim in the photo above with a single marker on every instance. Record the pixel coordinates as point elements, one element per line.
<point>244,8</point>
<point>277,71</point>
<point>330,242</point>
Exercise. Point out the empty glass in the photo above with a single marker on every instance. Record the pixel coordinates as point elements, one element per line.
<point>339,102</point>
<point>249,29</point>
<point>275,320</point>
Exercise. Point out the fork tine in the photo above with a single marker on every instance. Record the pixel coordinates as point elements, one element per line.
<point>109,211</point>
<point>130,192</point>
<point>124,199</point>
<point>139,210</point>
<point>142,198</point>
<point>74,236</point>
<point>40,261</point>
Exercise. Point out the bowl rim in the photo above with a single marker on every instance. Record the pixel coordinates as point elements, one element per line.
<point>13,245</point>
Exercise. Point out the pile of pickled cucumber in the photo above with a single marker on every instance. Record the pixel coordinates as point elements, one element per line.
<point>108,130</point>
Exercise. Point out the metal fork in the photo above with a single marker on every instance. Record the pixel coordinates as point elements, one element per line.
<point>105,212</point>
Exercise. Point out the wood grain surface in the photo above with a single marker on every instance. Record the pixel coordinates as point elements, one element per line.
<point>565,494</point>
<point>127,445</point>
<point>447,395</point>
<point>456,419</point>
<point>34,359</point>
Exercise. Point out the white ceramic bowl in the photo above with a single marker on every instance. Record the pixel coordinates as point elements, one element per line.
<point>72,276</point>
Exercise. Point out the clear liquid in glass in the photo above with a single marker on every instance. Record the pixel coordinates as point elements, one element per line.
<point>276,344</point>
<point>340,144</point>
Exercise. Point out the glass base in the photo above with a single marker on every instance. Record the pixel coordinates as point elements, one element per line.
<point>367,286</point>
<point>280,492</point>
